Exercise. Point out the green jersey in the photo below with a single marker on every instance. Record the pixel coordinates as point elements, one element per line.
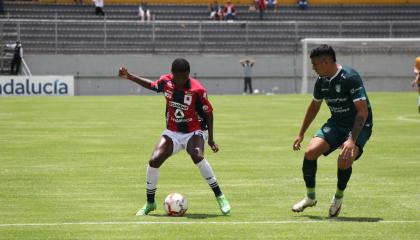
<point>340,92</point>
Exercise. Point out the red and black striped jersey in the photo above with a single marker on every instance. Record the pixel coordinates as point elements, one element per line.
<point>185,108</point>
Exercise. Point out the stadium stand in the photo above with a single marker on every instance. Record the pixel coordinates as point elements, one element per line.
<point>74,28</point>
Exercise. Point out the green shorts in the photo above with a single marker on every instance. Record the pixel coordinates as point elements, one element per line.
<point>336,136</point>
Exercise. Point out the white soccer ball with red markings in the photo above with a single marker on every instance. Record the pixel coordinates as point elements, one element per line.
<point>175,205</point>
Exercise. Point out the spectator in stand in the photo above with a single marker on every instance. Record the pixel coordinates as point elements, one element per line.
<point>17,57</point>
<point>302,4</point>
<point>144,12</point>
<point>261,8</point>
<point>252,7</point>
<point>99,7</point>
<point>216,12</point>
<point>229,11</point>
<point>271,5</point>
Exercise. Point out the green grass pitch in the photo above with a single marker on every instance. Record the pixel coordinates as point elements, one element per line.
<point>74,168</point>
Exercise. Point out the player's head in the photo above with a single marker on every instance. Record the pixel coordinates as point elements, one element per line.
<point>323,60</point>
<point>418,63</point>
<point>181,71</point>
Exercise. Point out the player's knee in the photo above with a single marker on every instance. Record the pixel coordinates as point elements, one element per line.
<point>312,153</point>
<point>197,155</point>
<point>155,161</point>
<point>344,164</point>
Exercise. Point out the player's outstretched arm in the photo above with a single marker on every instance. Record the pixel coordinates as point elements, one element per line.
<point>310,115</point>
<point>211,141</point>
<point>144,82</point>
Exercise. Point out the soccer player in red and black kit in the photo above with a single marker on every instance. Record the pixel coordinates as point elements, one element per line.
<point>189,114</point>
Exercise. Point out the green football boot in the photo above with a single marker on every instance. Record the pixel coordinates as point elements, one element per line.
<point>146,209</point>
<point>223,204</point>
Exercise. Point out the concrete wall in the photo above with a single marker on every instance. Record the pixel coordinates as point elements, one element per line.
<point>220,74</point>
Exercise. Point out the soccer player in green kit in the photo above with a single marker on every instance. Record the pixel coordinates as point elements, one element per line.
<point>348,128</point>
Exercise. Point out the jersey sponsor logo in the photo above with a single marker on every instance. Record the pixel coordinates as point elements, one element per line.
<point>326,129</point>
<point>338,88</point>
<point>325,89</point>
<point>187,99</point>
<point>179,113</point>
<point>338,109</point>
<point>181,120</point>
<point>334,100</point>
<point>179,117</point>
<point>178,105</point>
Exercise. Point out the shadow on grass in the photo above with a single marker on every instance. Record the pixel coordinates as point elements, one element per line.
<point>202,215</point>
<point>189,215</point>
<point>344,219</point>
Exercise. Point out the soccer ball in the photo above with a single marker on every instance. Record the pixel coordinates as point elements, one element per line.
<point>175,205</point>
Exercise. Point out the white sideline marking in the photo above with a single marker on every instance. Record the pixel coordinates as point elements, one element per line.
<point>197,223</point>
<point>408,118</point>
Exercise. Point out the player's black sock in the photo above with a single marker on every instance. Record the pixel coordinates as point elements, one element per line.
<point>151,195</point>
<point>309,172</point>
<point>343,177</point>
<point>216,189</point>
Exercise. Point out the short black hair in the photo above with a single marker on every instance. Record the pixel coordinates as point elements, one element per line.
<point>180,65</point>
<point>323,50</point>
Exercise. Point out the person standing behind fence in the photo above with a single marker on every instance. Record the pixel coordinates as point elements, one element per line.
<point>17,57</point>
<point>302,4</point>
<point>247,64</point>
<point>261,8</point>
<point>144,12</point>
<point>99,7</point>
<point>229,11</point>
<point>215,11</point>
<point>416,81</point>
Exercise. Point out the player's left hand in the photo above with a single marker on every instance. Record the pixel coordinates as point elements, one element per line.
<point>348,149</point>
<point>214,146</point>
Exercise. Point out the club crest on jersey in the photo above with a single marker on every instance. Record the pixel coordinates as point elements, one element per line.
<point>338,88</point>
<point>187,99</point>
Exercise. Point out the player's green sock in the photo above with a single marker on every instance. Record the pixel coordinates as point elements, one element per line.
<point>310,192</point>
<point>339,193</point>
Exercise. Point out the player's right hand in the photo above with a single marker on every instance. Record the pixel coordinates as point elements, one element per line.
<point>214,146</point>
<point>296,143</point>
<point>123,72</point>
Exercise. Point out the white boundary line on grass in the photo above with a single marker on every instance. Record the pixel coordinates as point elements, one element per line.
<point>408,118</point>
<point>198,223</point>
